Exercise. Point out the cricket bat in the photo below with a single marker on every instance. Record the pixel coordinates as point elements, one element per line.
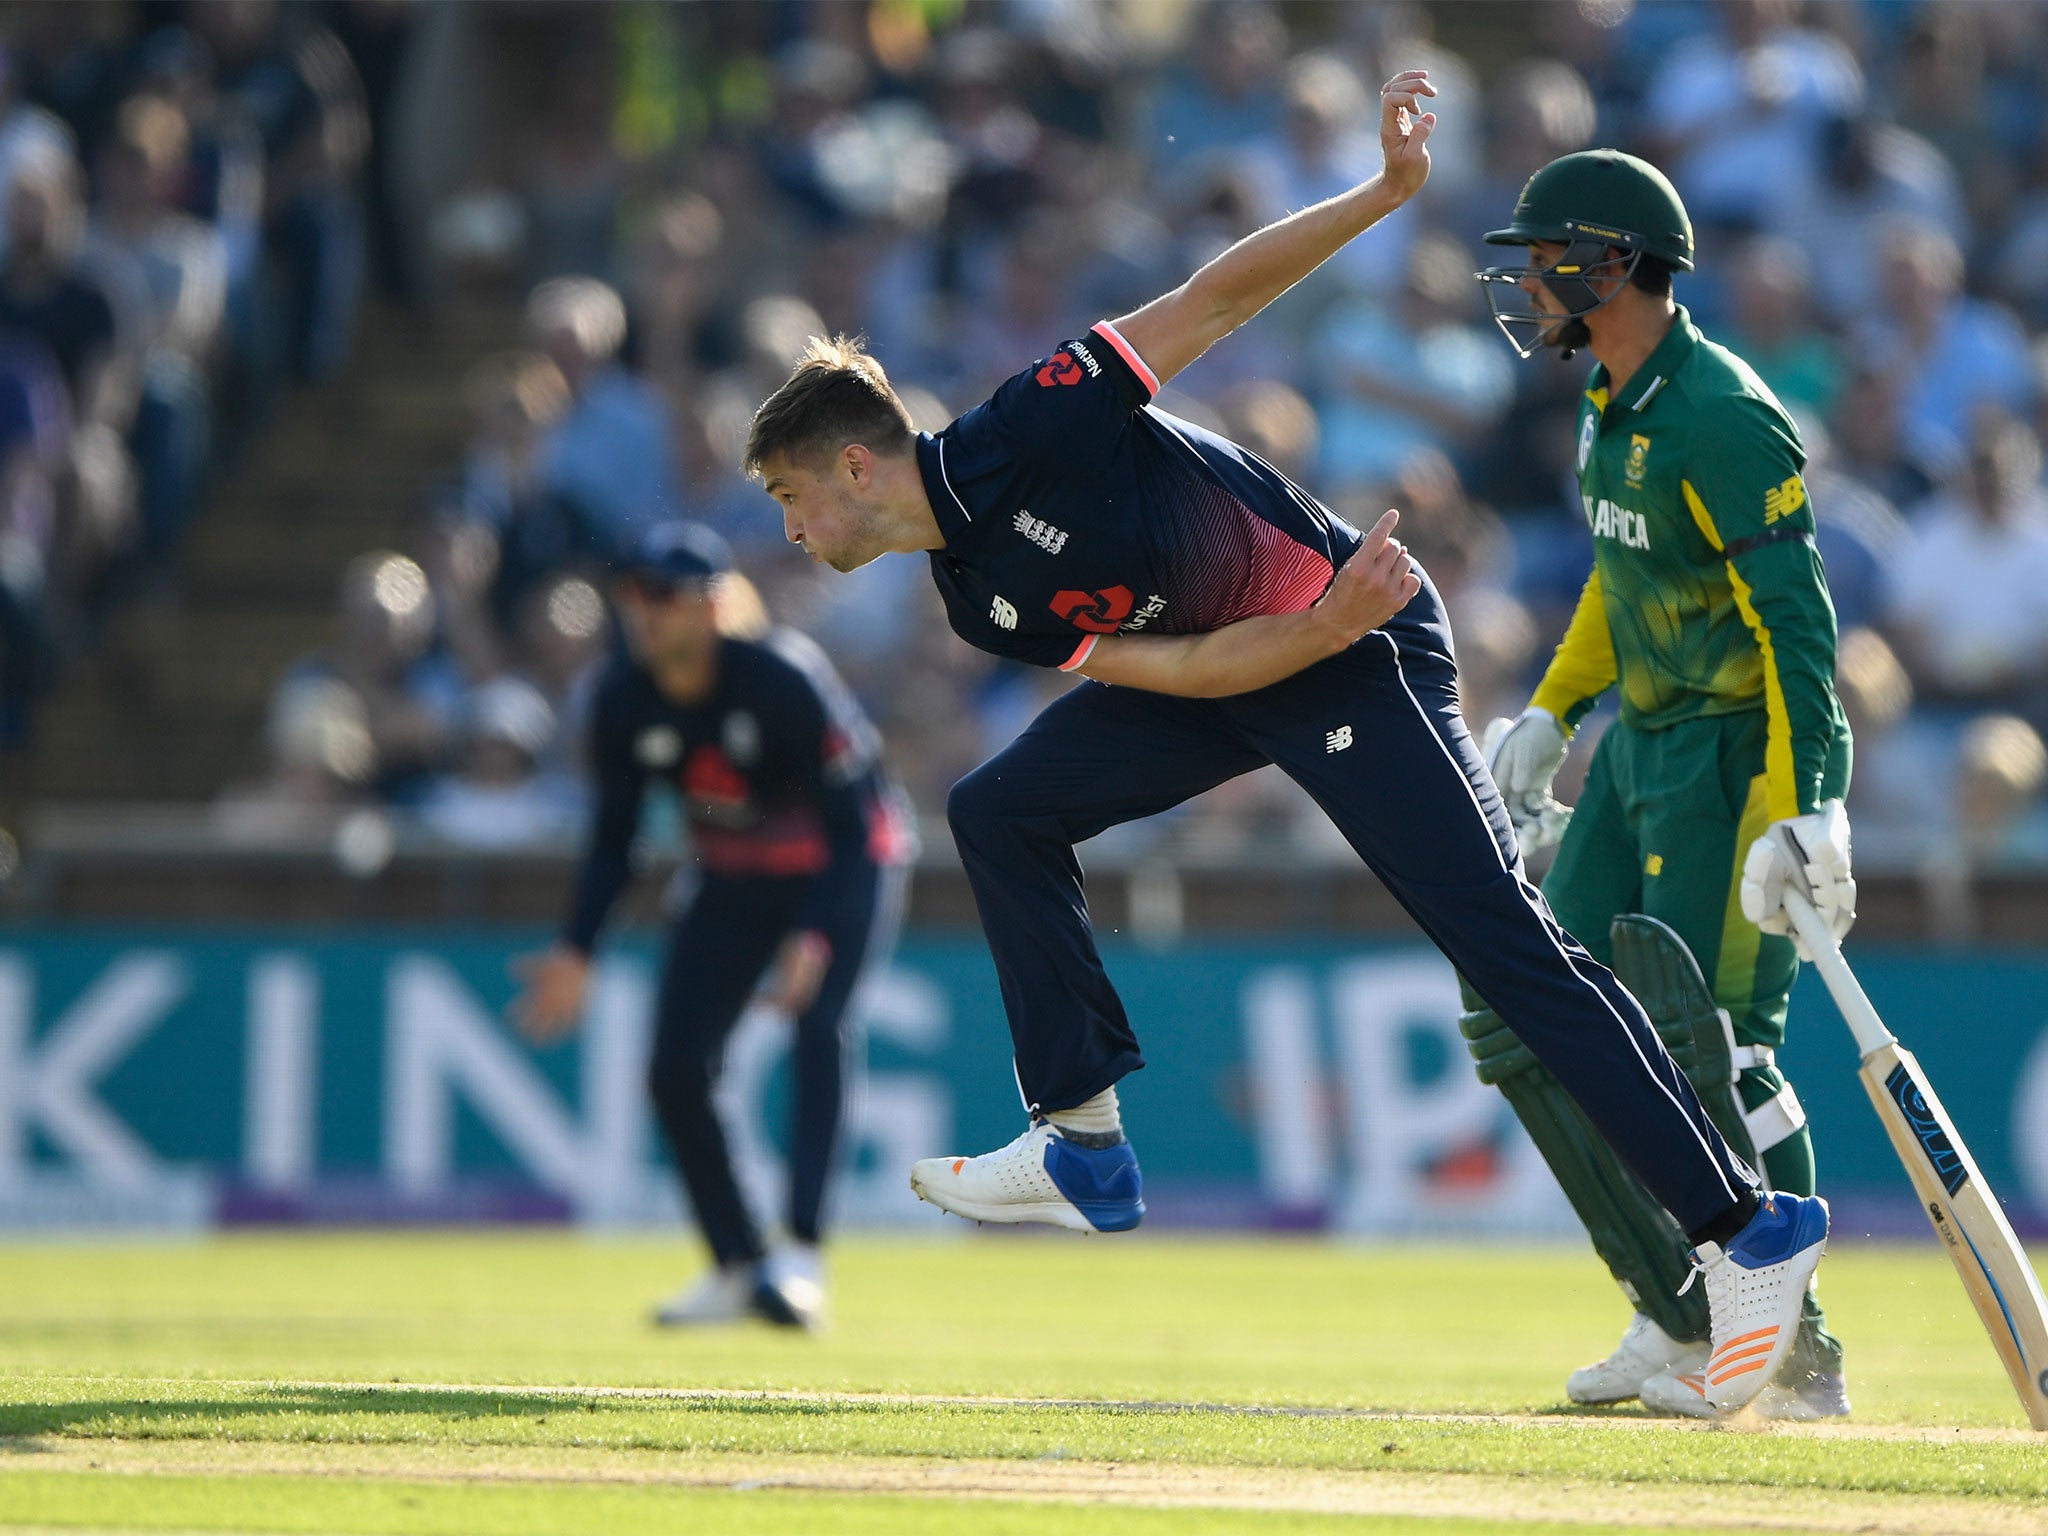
<point>1965,1212</point>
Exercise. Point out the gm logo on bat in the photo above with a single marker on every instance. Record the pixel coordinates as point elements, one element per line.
<point>1948,1165</point>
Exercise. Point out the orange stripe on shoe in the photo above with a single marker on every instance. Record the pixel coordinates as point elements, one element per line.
<point>1745,1338</point>
<point>1739,1371</point>
<point>1748,1341</point>
<point>1757,1353</point>
<point>1694,1382</point>
<point>959,1163</point>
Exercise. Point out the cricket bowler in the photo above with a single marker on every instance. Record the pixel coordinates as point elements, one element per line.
<point>1224,619</point>
<point>1722,781</point>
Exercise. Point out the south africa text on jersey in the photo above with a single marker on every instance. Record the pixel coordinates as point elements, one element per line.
<point>1612,521</point>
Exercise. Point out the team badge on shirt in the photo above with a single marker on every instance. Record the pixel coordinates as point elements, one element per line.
<point>1638,452</point>
<point>741,734</point>
<point>1048,538</point>
<point>659,746</point>
<point>1588,429</point>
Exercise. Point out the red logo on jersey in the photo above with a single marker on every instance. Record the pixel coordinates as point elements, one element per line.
<point>711,779</point>
<point>1097,612</point>
<point>1060,368</point>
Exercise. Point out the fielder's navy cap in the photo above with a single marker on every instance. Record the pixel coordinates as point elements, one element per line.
<point>678,552</point>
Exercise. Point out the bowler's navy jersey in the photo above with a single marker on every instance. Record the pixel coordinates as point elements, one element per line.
<point>779,773</point>
<point>1072,508</point>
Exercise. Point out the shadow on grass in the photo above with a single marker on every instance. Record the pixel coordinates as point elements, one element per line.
<point>199,1416</point>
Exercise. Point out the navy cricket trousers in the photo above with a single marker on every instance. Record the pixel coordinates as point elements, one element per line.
<point>719,949</point>
<point>1376,737</point>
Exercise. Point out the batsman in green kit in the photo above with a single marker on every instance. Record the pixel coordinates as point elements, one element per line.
<point>1722,781</point>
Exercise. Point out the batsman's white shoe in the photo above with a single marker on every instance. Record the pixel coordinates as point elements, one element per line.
<point>718,1296</point>
<point>789,1287</point>
<point>1041,1176</point>
<point>1815,1396</point>
<point>1756,1287</point>
<point>1680,1394</point>
<point>1645,1350</point>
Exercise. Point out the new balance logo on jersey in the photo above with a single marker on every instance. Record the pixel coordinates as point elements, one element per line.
<point>1043,534</point>
<point>1613,522</point>
<point>1784,499</point>
<point>1337,740</point>
<point>1003,613</point>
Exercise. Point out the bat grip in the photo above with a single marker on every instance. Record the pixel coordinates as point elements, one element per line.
<point>1856,1009</point>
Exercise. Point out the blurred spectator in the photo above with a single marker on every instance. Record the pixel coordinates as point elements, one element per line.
<point>291,81</point>
<point>1954,353</point>
<point>35,433</point>
<point>1736,115</point>
<point>1328,144</point>
<point>611,455</point>
<point>1890,789</point>
<point>411,700</point>
<point>518,401</point>
<point>574,180</point>
<point>84,318</point>
<point>497,797</point>
<point>322,762</point>
<point>1942,100</point>
<point>49,291</point>
<point>1538,110</point>
<point>2000,770</point>
<point>684,331</point>
<point>1775,329</point>
<point>1874,176</point>
<point>1414,374</point>
<point>562,634</point>
<point>1224,94</point>
<point>1857,531</point>
<point>183,266</point>
<point>1869,435</point>
<point>1965,601</point>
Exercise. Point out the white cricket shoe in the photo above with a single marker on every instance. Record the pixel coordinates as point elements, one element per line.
<point>1041,1176</point>
<point>789,1287</point>
<point>1645,1350</point>
<point>1756,1289</point>
<point>718,1296</point>
<point>1817,1395</point>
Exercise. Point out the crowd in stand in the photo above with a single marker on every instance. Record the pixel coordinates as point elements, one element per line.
<point>967,182</point>
<point>178,241</point>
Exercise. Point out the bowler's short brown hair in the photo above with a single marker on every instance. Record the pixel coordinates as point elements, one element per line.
<point>837,395</point>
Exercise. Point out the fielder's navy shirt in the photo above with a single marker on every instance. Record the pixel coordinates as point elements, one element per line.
<point>1074,508</point>
<point>779,773</point>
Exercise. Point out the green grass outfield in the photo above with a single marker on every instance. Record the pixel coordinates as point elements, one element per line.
<point>507,1383</point>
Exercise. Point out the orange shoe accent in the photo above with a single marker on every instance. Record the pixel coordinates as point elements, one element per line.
<point>1730,1352</point>
<point>1745,1338</point>
<point>1740,1370</point>
<point>1718,1367</point>
<point>1694,1382</point>
<point>959,1163</point>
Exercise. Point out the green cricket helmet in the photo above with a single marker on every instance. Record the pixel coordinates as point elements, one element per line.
<point>1591,202</point>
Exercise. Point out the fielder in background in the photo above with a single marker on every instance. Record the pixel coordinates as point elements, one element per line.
<point>800,841</point>
<point>1222,619</point>
<point>1722,781</point>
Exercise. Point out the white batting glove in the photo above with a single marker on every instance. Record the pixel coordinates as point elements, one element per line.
<point>1524,755</point>
<point>1809,854</point>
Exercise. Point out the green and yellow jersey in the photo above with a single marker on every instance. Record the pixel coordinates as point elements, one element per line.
<point>1707,595</point>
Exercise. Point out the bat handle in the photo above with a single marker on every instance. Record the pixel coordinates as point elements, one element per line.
<point>1855,1006</point>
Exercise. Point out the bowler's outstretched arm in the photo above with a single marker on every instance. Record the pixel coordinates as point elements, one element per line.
<point>1178,327</point>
